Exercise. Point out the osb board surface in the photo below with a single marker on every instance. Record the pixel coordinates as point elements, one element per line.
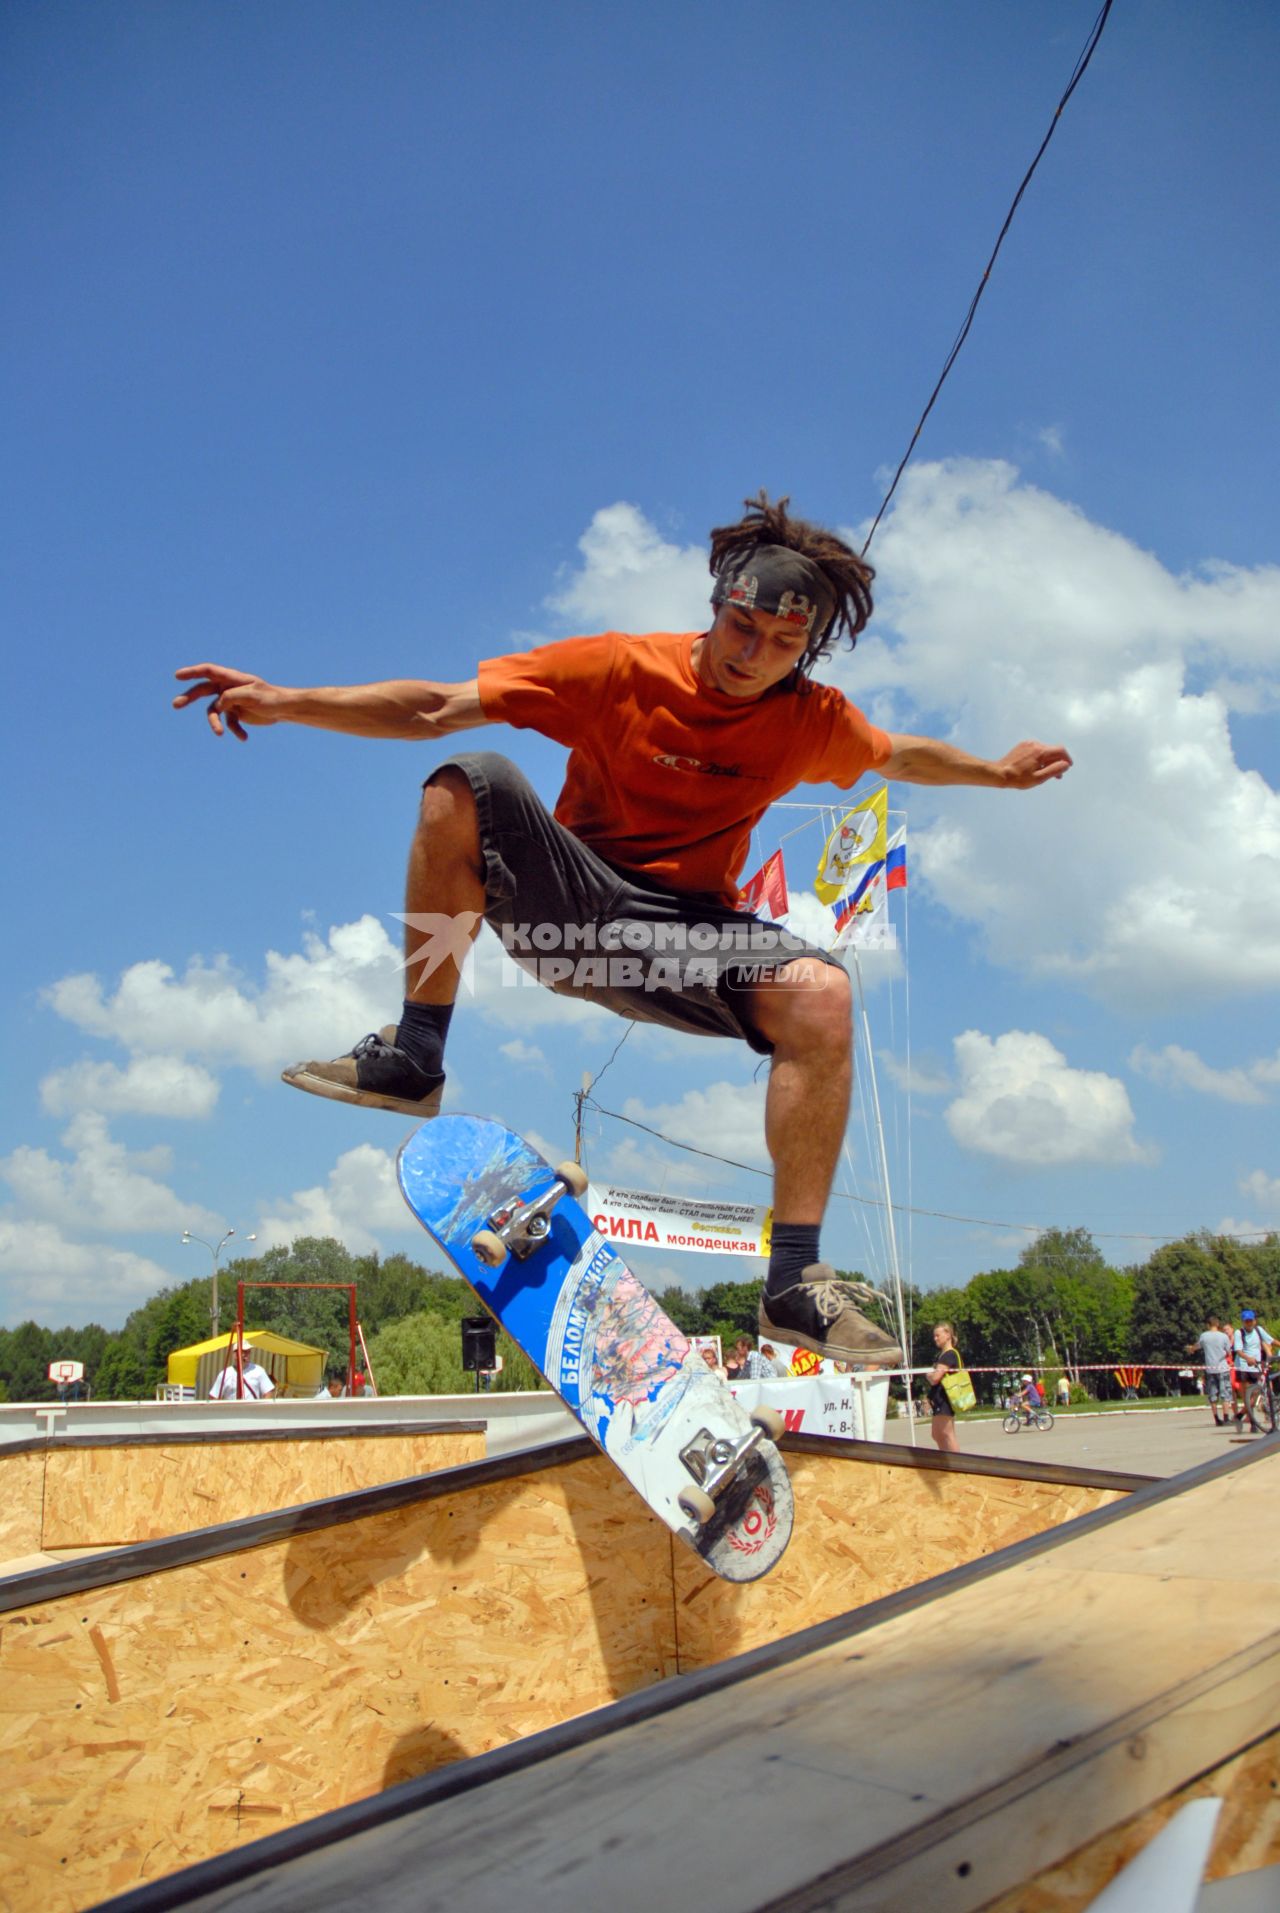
<point>148,1725</point>
<point>1247,1836</point>
<point>933,1760</point>
<point>864,1531</point>
<point>21,1496</point>
<point>114,1495</point>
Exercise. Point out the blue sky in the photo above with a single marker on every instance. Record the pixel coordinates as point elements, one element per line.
<point>348,342</point>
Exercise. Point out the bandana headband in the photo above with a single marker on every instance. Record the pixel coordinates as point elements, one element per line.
<point>780,581</point>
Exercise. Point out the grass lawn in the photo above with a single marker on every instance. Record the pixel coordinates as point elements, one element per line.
<point>1152,1406</point>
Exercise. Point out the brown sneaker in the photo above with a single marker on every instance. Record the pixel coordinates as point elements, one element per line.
<point>818,1312</point>
<point>375,1074</point>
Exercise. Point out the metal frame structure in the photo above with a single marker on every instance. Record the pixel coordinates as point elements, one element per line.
<point>355,1334</point>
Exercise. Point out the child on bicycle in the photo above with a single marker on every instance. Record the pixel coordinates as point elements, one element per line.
<point>1029,1398</point>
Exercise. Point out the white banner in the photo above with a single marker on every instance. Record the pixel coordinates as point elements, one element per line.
<point>852,1407</point>
<point>680,1222</point>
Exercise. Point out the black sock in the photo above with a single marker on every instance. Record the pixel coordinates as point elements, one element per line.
<point>423,1028</point>
<point>793,1246</point>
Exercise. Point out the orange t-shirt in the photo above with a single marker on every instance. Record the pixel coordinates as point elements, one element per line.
<point>667,776</point>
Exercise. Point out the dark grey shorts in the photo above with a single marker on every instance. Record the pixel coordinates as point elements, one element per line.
<point>584,928</point>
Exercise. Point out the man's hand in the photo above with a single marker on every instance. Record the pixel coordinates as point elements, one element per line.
<point>1028,765</point>
<point>927,760</point>
<point>238,698</point>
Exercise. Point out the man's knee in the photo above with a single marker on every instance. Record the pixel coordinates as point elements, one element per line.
<point>447,797</point>
<point>807,1001</point>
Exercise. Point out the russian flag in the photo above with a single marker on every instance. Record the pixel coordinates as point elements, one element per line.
<point>844,912</point>
<point>847,908</point>
<point>895,868</point>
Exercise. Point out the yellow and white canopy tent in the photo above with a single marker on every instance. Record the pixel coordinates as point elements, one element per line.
<point>295,1367</point>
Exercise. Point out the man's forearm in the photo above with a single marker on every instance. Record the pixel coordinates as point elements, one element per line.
<point>926,760</point>
<point>398,707</point>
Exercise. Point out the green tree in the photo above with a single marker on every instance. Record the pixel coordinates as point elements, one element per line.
<point>931,1307</point>
<point>684,1309</point>
<point>736,1304</point>
<point>421,1354</point>
<point>1263,1262</point>
<point>123,1372</point>
<point>1179,1286</point>
<point>26,1353</point>
<point>175,1319</point>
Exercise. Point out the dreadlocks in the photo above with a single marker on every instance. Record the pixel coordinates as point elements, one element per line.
<point>850,577</point>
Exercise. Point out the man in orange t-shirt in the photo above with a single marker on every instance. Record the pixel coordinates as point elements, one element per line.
<point>629,895</point>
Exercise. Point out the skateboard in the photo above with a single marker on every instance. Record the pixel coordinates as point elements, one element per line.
<point>514,1228</point>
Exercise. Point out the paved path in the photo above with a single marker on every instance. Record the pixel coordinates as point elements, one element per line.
<point>1151,1441</point>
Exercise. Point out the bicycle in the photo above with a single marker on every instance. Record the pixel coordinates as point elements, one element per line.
<point>1018,1418</point>
<point>1260,1405</point>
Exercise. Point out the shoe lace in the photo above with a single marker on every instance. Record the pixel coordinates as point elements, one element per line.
<point>369,1045</point>
<point>832,1296</point>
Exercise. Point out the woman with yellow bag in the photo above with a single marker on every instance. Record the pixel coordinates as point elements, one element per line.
<point>949,1389</point>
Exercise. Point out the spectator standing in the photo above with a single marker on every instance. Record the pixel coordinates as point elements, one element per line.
<point>1064,1392</point>
<point>1251,1345</point>
<point>770,1365</point>
<point>1214,1345</point>
<point>258,1384</point>
<point>943,1426</point>
<point>735,1362</point>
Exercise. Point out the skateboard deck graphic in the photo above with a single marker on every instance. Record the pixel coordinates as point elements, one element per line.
<point>593,1330</point>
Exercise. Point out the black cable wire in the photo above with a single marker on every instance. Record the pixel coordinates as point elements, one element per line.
<point>899,1208</point>
<point>1094,36</point>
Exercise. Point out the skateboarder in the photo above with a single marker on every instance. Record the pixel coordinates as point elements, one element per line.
<point>628,895</point>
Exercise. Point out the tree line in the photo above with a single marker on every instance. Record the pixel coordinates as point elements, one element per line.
<point>1063,1307</point>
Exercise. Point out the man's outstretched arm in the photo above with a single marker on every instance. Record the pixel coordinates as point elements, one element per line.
<point>925,760</point>
<point>401,707</point>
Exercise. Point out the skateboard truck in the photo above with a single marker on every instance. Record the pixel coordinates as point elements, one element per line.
<point>518,1228</point>
<point>714,1461</point>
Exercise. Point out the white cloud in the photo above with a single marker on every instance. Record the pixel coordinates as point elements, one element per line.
<point>1021,1101</point>
<point>919,1078</point>
<point>359,1198</point>
<point>510,997</point>
<point>636,1162</point>
<point>103,1185</point>
<point>518,1051</point>
<point>725,1117</point>
<point>47,1277</point>
<point>1152,871</point>
<point>1176,1068</point>
<point>311,1003</point>
<point>1265,1191</point>
<point>1242,1228</point>
<point>631,579</point>
<point>148,1086</point>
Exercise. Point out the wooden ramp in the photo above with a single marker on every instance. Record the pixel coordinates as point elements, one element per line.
<point>68,1493</point>
<point>1005,1736</point>
<point>166,1702</point>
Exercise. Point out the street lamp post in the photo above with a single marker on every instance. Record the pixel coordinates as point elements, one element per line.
<point>214,1252</point>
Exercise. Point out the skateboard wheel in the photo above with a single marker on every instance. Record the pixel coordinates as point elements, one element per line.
<point>488,1248</point>
<point>698,1503</point>
<point>574,1178</point>
<point>769,1422</point>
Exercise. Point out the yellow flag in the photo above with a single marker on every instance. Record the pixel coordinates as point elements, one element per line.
<point>859,838</point>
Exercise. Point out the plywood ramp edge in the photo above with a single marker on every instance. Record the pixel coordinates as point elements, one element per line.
<point>81,1491</point>
<point>139,1559</point>
<point>167,1701</point>
<point>936,1748</point>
